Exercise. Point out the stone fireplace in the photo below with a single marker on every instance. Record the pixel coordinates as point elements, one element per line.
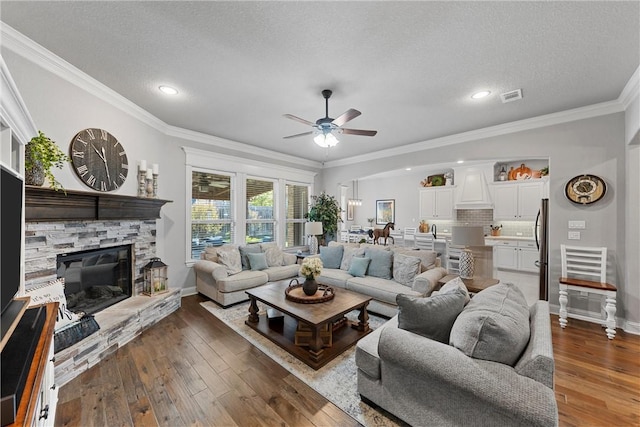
<point>78,233</point>
<point>97,278</point>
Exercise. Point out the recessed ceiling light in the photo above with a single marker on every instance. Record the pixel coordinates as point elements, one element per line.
<point>460,161</point>
<point>168,90</point>
<point>407,169</point>
<point>481,94</point>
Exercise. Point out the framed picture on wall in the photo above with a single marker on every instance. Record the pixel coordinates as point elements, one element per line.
<point>385,211</point>
<point>349,212</point>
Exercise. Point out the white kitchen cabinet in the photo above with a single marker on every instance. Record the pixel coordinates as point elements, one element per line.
<point>517,200</point>
<point>515,255</point>
<point>436,203</point>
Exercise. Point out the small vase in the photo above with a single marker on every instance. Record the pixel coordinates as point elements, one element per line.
<point>309,287</point>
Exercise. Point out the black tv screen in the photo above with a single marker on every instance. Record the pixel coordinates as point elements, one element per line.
<point>10,235</point>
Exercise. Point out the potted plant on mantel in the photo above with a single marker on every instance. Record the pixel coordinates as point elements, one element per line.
<point>40,155</point>
<point>325,208</point>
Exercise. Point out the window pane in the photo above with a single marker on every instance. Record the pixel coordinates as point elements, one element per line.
<point>260,232</point>
<point>297,201</point>
<point>297,205</point>
<point>259,199</point>
<point>211,212</point>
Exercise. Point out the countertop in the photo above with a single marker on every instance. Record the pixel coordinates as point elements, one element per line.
<point>443,237</point>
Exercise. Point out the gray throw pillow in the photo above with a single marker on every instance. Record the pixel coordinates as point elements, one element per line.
<point>331,256</point>
<point>431,317</point>
<point>494,325</point>
<point>381,262</point>
<point>249,249</point>
<point>258,261</point>
<point>349,253</point>
<point>359,266</point>
<point>405,268</point>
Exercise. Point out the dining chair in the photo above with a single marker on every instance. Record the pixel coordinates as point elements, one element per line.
<point>425,241</point>
<point>409,236</point>
<point>453,257</point>
<point>584,269</point>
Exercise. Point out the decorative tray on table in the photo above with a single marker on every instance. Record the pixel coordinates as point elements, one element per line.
<point>294,293</point>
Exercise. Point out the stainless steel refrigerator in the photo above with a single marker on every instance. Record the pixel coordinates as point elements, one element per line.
<point>542,242</point>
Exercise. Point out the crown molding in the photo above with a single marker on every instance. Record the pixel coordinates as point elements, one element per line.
<point>42,57</point>
<point>631,90</point>
<point>581,113</point>
<point>13,110</point>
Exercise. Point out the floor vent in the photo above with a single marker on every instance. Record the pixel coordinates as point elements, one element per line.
<point>512,95</point>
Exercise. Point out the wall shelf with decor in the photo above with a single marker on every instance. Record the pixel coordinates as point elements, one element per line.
<point>520,170</point>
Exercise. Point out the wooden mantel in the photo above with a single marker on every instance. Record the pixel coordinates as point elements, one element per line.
<point>45,204</point>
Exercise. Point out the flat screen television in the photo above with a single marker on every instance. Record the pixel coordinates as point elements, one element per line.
<point>11,191</point>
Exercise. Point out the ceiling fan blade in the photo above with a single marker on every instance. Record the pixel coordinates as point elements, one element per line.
<point>298,134</point>
<point>298,119</point>
<point>359,132</point>
<point>350,114</point>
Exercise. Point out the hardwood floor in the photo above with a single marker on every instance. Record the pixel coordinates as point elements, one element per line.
<point>191,369</point>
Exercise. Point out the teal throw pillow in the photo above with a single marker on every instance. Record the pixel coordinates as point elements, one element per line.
<point>249,249</point>
<point>257,261</point>
<point>358,267</point>
<point>381,262</point>
<point>331,256</point>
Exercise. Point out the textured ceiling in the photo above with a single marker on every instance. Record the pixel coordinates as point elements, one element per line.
<point>409,67</point>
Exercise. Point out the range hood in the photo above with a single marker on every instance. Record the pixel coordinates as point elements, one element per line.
<point>472,190</point>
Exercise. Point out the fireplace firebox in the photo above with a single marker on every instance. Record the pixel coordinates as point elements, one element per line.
<point>96,279</point>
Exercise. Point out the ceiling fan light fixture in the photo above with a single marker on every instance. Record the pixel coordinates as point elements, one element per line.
<point>326,140</point>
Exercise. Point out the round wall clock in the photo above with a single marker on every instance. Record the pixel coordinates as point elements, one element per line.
<point>585,189</point>
<point>99,159</point>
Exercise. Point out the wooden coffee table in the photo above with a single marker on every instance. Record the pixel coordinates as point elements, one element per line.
<point>474,285</point>
<point>318,319</point>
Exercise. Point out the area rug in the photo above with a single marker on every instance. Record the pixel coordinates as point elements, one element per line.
<point>336,381</point>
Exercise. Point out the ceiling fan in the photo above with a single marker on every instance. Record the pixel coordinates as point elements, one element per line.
<point>326,128</point>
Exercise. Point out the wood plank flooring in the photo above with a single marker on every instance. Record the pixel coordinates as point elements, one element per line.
<point>191,369</point>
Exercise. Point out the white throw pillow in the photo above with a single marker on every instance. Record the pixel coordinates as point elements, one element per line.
<point>231,260</point>
<point>274,256</point>
<point>54,292</point>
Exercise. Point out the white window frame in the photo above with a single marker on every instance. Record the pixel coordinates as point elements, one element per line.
<point>288,221</point>
<point>276,196</point>
<point>241,168</point>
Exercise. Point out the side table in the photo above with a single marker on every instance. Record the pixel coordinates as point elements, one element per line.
<point>474,285</point>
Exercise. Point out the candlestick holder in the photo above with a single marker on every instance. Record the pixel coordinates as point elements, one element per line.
<point>155,185</point>
<point>141,183</point>
<point>149,187</point>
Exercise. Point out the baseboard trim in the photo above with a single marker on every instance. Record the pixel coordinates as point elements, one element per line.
<point>588,316</point>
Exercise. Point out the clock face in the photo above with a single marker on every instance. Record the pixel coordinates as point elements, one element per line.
<point>585,189</point>
<point>99,159</point>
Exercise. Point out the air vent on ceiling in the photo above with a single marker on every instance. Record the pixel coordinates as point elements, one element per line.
<point>512,95</point>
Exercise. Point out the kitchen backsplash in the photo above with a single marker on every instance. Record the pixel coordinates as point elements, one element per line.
<point>484,218</point>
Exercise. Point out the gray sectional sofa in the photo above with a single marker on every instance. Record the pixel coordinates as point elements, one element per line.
<point>390,271</point>
<point>493,367</point>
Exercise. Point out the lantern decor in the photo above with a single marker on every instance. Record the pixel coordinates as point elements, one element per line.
<point>155,277</point>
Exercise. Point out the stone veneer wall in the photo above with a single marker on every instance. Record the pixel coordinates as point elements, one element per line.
<point>44,241</point>
<point>119,323</point>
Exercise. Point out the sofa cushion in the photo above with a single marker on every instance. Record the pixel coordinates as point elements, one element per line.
<point>282,272</point>
<point>349,253</point>
<point>274,257</point>
<point>331,256</point>
<point>245,279</point>
<point>367,357</point>
<point>427,258</point>
<point>210,253</point>
<point>451,286</point>
<point>372,246</point>
<point>244,251</point>
<point>494,325</point>
<point>257,261</point>
<point>344,244</point>
<point>334,277</point>
<point>383,290</point>
<point>231,260</point>
<point>381,262</point>
<point>432,317</point>
<point>405,268</point>
<point>359,266</point>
